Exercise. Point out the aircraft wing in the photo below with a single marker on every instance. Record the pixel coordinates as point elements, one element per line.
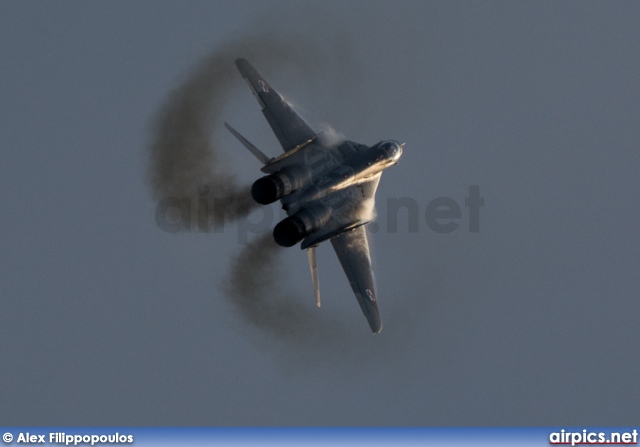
<point>290,128</point>
<point>352,249</point>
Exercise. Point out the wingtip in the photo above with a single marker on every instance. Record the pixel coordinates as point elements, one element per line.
<point>244,67</point>
<point>375,323</point>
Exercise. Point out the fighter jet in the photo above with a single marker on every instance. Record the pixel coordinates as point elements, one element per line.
<point>326,188</point>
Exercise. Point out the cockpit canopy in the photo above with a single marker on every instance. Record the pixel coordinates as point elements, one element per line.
<point>392,148</point>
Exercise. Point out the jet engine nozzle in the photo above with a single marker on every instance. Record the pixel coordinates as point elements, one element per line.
<point>272,187</point>
<point>267,189</point>
<point>289,231</point>
<point>293,229</point>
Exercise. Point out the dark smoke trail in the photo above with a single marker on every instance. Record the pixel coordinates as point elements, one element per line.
<point>255,292</point>
<point>186,159</point>
<point>253,278</point>
<point>185,154</point>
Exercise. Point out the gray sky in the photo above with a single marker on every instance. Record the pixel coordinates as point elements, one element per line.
<point>107,320</point>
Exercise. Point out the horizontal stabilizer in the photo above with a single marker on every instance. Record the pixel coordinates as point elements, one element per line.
<point>246,143</point>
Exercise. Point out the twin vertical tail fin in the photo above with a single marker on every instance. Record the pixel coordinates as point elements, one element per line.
<point>246,143</point>
<point>311,254</point>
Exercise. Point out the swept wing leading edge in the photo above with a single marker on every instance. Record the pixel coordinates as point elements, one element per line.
<point>352,249</point>
<point>289,127</point>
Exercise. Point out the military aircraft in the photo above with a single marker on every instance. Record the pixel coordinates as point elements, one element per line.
<point>326,188</point>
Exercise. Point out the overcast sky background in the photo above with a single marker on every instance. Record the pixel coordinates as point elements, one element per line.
<point>107,320</point>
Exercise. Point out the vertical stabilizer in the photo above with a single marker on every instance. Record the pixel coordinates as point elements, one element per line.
<point>246,143</point>
<point>313,265</point>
